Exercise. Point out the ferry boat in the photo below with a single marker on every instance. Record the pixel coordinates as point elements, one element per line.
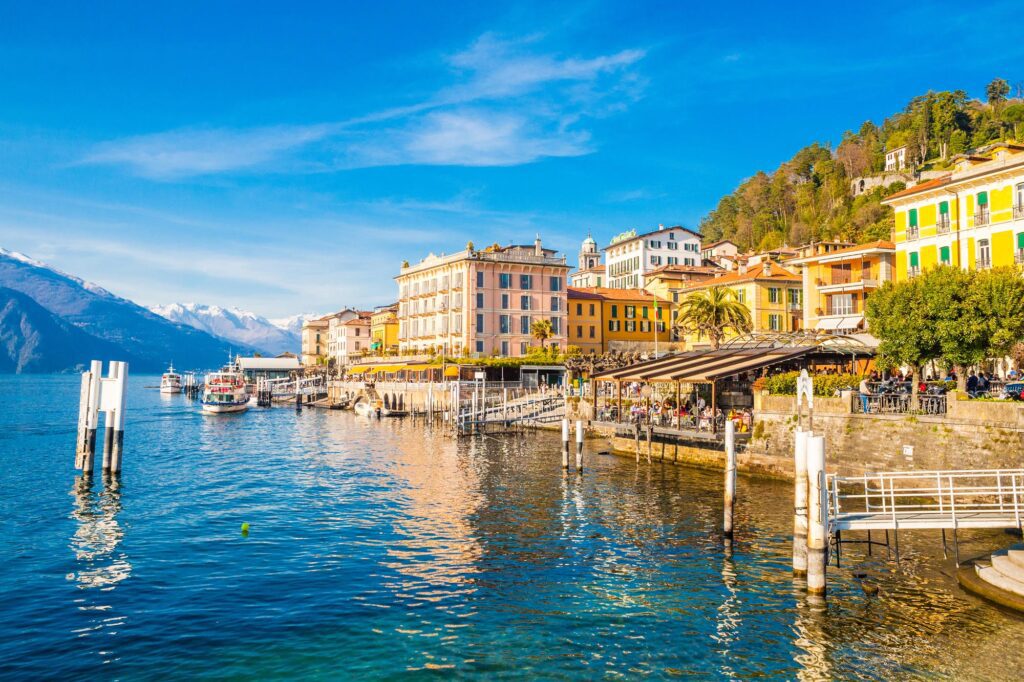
<point>170,382</point>
<point>225,391</point>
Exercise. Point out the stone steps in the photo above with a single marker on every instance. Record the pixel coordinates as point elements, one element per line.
<point>1016,555</point>
<point>993,577</point>
<point>1008,569</point>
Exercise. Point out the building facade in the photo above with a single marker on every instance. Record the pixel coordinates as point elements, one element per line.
<point>772,294</point>
<point>348,335</point>
<point>314,341</point>
<point>482,302</point>
<point>668,281</point>
<point>605,319</point>
<point>630,256</point>
<point>970,218</point>
<point>837,283</point>
<point>384,330</point>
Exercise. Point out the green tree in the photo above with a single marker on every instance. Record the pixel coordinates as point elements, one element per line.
<point>713,313</point>
<point>899,318</point>
<point>996,92</point>
<point>541,330</point>
<point>1014,116</point>
<point>997,299</point>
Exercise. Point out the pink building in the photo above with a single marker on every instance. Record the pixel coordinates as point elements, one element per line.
<point>482,302</point>
<point>348,335</point>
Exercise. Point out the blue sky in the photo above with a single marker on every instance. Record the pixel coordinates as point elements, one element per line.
<point>240,155</point>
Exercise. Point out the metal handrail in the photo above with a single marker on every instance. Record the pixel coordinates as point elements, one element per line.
<point>946,494</point>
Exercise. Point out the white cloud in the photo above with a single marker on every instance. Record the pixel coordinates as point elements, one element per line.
<point>510,105</point>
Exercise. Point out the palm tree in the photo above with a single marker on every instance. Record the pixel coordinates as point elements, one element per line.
<point>541,330</point>
<point>713,313</point>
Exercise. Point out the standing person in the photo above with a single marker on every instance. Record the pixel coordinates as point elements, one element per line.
<point>865,393</point>
<point>972,384</point>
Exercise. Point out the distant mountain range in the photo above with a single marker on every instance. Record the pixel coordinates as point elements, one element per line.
<point>51,322</point>
<point>271,337</point>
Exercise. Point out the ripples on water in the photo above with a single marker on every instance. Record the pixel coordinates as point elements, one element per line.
<point>381,549</point>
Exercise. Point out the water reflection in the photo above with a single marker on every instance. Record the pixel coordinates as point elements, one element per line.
<point>100,564</point>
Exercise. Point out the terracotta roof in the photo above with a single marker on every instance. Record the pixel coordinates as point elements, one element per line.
<point>712,245</point>
<point>920,187</point>
<point>755,272</point>
<point>652,233</point>
<point>607,293</point>
<point>686,269</point>
<point>880,244</point>
<point>596,268</point>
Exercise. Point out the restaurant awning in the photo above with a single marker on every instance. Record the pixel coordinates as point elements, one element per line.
<point>451,371</point>
<point>359,370</point>
<point>848,323</point>
<point>705,366</point>
<point>828,323</point>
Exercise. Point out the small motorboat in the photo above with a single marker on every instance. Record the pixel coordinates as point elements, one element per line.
<point>374,408</point>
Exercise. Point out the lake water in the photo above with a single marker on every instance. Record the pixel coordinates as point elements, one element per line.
<point>385,550</point>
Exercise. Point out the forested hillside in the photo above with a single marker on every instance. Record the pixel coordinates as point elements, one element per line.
<point>810,196</point>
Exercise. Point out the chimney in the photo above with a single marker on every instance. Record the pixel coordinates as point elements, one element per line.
<point>661,226</point>
<point>768,268</point>
<point>743,268</point>
<point>537,250</point>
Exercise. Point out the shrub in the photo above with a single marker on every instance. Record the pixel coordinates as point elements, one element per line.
<point>825,385</point>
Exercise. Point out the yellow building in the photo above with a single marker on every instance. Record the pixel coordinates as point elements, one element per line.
<point>837,282</point>
<point>314,341</point>
<point>771,293</point>
<point>384,330</point>
<point>667,281</point>
<point>971,218</point>
<point>603,319</point>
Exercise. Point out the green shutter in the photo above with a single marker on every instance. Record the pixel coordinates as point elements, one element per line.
<point>944,254</point>
<point>1020,240</point>
<point>913,260</point>
<point>943,207</point>
<point>913,217</point>
<point>982,198</point>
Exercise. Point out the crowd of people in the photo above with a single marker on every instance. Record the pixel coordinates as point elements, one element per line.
<point>696,415</point>
<point>979,384</point>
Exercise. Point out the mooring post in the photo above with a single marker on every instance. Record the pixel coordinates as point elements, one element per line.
<point>636,435</point>
<point>730,476</point>
<point>118,418</point>
<point>650,431</point>
<point>86,412</point>
<point>298,398</point>
<point>579,445</point>
<point>565,443</point>
<point>800,502</point>
<point>816,511</point>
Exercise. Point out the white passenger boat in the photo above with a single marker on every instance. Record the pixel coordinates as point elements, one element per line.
<point>366,408</point>
<point>170,382</point>
<point>225,391</point>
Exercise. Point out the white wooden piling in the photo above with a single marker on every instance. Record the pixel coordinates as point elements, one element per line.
<point>579,445</point>
<point>816,510</point>
<point>730,477</point>
<point>565,443</point>
<point>101,394</point>
<point>800,502</point>
<point>118,418</point>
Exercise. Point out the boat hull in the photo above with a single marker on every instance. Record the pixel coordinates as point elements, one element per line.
<point>170,389</point>
<point>225,408</point>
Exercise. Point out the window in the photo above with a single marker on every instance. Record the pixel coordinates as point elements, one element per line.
<point>615,311</point>
<point>840,304</point>
<point>655,244</point>
<point>794,297</point>
<point>556,325</point>
<point>630,312</point>
<point>944,255</point>
<point>591,309</point>
<point>479,278</point>
<point>555,304</point>
<point>645,326</point>
<point>741,295</point>
<point>643,312</point>
<point>524,302</point>
<point>526,282</point>
<point>505,324</point>
<point>673,260</point>
<point>655,260</point>
<point>673,246</point>
<point>773,294</point>
<point>775,323</point>
<point>591,331</point>
<point>1018,255</point>
<point>524,324</point>
<point>913,217</point>
<point>504,280</point>
<point>504,301</point>
<point>523,346</point>
<point>630,325</point>
<point>479,346</point>
<point>912,224</point>
<point>1018,201</point>
<point>479,324</point>
<point>915,264</point>
<point>504,348</point>
<point>984,254</point>
<point>942,224</point>
<point>556,284</point>
<point>579,331</point>
<point>981,216</point>
<point>614,325</point>
<point>479,300</point>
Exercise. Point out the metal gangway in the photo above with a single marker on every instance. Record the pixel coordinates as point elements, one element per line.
<point>285,389</point>
<point>530,409</point>
<point>914,500</point>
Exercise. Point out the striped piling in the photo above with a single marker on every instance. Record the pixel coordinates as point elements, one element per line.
<point>816,515</point>
<point>800,502</point>
<point>730,477</point>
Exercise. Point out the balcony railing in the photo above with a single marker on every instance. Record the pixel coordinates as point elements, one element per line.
<point>942,224</point>
<point>914,270</point>
<point>982,217</point>
<point>1018,256</point>
<point>984,263</point>
<point>912,233</point>
<point>1018,212</point>
<point>869,282</point>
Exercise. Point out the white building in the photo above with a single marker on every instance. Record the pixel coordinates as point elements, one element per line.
<point>896,160</point>
<point>348,334</point>
<point>630,255</point>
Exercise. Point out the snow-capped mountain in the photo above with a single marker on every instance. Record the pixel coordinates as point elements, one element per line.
<point>51,321</point>
<point>294,323</point>
<point>240,326</point>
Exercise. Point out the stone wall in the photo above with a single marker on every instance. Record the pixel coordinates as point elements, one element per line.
<point>972,435</point>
